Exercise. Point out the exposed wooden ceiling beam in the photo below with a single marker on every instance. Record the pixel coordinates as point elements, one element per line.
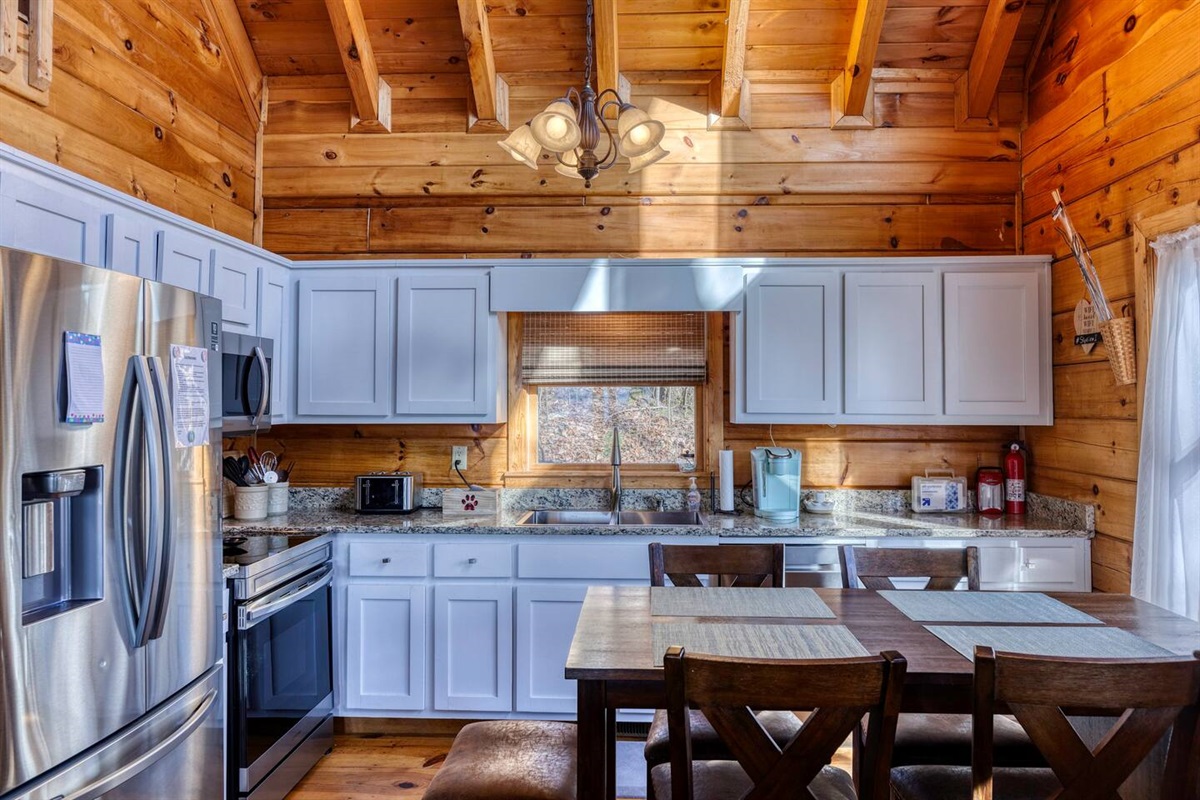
<point>729,95</point>
<point>976,89</point>
<point>371,94</point>
<point>489,92</point>
<point>608,60</point>
<point>852,94</point>
<point>236,45</point>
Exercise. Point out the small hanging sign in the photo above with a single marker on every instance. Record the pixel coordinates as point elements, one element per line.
<point>1087,331</point>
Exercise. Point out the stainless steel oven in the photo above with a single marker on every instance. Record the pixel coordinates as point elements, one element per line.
<point>246,363</point>
<point>281,676</point>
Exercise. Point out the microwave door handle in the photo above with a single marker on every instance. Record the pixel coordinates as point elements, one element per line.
<point>264,371</point>
<point>251,615</point>
<point>135,401</point>
<point>164,572</point>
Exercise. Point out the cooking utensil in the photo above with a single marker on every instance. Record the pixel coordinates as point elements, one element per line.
<point>233,471</point>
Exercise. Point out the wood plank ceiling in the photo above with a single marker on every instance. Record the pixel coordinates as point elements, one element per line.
<point>906,103</point>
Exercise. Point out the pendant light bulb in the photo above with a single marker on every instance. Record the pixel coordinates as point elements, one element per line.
<point>521,145</point>
<point>652,156</point>
<point>556,128</point>
<point>637,133</point>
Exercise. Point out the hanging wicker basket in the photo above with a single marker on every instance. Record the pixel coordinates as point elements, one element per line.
<point>1118,338</point>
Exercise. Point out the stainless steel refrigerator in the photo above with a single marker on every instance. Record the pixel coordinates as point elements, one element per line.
<point>110,584</point>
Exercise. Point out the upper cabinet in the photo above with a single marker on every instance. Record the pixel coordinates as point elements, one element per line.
<point>898,341</point>
<point>52,220</point>
<point>185,260</point>
<point>235,284</point>
<point>274,323</point>
<point>132,244</point>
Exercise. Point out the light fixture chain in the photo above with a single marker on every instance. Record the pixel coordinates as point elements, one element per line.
<point>587,58</point>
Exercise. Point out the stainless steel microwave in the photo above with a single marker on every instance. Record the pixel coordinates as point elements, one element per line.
<point>246,363</point>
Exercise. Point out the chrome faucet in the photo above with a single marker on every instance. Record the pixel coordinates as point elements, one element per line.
<point>615,460</point>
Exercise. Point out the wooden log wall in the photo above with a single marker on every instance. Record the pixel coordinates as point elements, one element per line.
<point>1114,123</point>
<point>144,99</point>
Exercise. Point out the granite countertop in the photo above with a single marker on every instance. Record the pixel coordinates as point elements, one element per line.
<point>849,524</point>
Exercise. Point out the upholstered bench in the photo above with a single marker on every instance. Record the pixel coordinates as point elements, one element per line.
<point>508,760</point>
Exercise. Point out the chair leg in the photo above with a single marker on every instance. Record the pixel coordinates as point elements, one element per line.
<point>856,757</point>
<point>649,783</point>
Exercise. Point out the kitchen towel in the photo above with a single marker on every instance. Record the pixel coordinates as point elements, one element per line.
<point>736,601</point>
<point>756,641</point>
<point>1014,607</point>
<point>1048,640</point>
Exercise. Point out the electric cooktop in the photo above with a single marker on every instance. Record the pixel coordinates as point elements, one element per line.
<point>244,550</point>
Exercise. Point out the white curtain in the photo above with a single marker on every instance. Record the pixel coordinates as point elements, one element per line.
<point>1166,544</point>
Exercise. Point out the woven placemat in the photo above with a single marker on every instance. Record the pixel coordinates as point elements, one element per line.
<point>756,641</point>
<point>1048,640</point>
<point>1011,607</point>
<point>736,601</point>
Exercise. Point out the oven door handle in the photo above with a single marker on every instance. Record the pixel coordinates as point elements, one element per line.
<point>256,612</point>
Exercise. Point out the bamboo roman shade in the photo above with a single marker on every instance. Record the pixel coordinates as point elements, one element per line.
<point>631,349</point>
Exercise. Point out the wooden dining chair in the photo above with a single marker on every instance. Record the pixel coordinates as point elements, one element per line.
<point>841,692</point>
<point>876,566</point>
<point>1150,698</point>
<point>747,565</point>
<point>931,738</point>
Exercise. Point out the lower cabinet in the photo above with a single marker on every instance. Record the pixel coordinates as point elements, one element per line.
<point>385,646</point>
<point>472,647</point>
<point>546,617</point>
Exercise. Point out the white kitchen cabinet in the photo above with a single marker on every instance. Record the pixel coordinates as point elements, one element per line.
<point>546,617</point>
<point>997,339</point>
<point>344,356</point>
<point>385,647</point>
<point>274,317</point>
<point>792,334</point>
<point>185,260</point>
<point>893,341</point>
<point>442,361</point>
<point>43,217</point>
<point>235,283</point>
<point>472,647</point>
<point>131,245</point>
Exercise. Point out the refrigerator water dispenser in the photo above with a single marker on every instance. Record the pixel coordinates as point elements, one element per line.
<point>62,527</point>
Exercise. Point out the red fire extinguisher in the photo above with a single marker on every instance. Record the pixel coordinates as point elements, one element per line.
<point>1014,480</point>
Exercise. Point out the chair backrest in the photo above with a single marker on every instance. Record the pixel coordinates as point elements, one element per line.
<point>736,565</point>
<point>876,566</point>
<point>840,691</point>
<point>1150,697</point>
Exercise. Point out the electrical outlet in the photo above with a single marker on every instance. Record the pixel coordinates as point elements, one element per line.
<point>458,457</point>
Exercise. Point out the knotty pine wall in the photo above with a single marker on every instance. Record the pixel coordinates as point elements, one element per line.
<point>143,100</point>
<point>1114,123</point>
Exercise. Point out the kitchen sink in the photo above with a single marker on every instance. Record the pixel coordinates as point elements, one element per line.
<point>631,518</point>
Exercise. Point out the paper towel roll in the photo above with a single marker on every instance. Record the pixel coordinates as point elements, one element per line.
<point>725,467</point>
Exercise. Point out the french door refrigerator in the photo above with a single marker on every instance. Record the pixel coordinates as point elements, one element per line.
<point>110,605</point>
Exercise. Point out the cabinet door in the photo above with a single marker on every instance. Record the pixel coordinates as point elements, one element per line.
<point>385,646</point>
<point>546,617</point>
<point>273,318</point>
<point>185,260</point>
<point>893,336</point>
<point>472,647</point>
<point>1054,565</point>
<point>343,341</point>
<point>235,283</point>
<point>442,353</point>
<point>52,221</point>
<point>132,245</point>
<point>793,337</point>
<point>993,346</point>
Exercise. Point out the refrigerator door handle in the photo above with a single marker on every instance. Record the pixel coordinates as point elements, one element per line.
<point>165,551</point>
<point>133,768</point>
<point>264,371</point>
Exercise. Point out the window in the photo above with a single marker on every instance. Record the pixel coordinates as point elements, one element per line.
<point>575,423</point>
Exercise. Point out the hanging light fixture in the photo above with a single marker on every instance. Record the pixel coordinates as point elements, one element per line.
<point>572,125</point>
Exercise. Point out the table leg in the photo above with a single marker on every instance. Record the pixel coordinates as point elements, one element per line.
<point>592,766</point>
<point>610,749</point>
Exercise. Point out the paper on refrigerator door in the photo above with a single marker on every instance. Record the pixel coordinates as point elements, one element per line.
<point>85,377</point>
<point>189,395</point>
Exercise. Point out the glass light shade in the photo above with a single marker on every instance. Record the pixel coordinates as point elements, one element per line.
<point>521,145</point>
<point>556,128</point>
<point>570,166</point>
<point>637,133</point>
<point>640,162</point>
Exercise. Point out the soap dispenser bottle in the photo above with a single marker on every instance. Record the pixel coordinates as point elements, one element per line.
<point>693,496</point>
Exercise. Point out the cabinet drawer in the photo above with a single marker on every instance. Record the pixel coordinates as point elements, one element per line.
<point>1048,565</point>
<point>388,560</point>
<point>595,561</point>
<point>479,560</point>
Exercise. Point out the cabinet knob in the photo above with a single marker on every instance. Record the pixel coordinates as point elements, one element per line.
<point>387,560</point>
<point>472,560</point>
<point>1029,565</point>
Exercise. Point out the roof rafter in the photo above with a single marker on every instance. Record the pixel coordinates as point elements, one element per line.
<point>489,92</point>
<point>852,100</point>
<point>608,60</point>
<point>729,95</point>
<point>246,72</point>
<point>975,91</point>
<point>371,94</point>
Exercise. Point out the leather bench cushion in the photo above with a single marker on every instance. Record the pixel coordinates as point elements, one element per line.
<point>706,744</point>
<point>946,739</point>
<point>925,782</point>
<point>726,780</point>
<point>509,759</point>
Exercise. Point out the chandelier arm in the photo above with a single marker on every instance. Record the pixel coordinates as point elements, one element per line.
<point>610,155</point>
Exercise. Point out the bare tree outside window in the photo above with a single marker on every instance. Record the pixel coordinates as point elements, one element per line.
<point>658,423</point>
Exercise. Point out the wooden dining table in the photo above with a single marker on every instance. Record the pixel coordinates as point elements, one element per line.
<point>612,657</point>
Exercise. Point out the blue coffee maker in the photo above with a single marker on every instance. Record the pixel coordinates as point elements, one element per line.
<point>775,472</point>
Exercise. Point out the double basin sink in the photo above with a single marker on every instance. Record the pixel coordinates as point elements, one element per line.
<point>630,518</point>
